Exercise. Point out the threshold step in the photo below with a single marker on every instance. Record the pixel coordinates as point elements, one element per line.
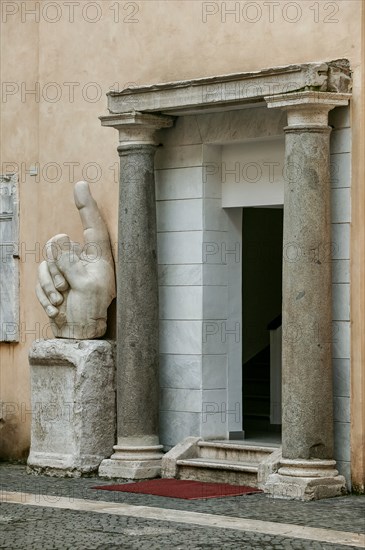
<point>237,446</point>
<point>219,465</point>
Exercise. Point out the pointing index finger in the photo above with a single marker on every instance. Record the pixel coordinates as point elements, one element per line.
<point>95,230</point>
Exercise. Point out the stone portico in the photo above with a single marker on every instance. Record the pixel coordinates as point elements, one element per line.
<point>307,93</point>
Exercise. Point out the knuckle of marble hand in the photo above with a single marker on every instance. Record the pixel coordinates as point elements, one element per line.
<point>47,287</point>
<point>41,268</point>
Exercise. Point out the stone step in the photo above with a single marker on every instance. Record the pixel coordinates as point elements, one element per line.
<point>218,471</point>
<point>233,452</point>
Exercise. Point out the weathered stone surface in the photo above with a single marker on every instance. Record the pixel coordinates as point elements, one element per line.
<point>307,427</point>
<point>133,463</point>
<point>307,315</point>
<point>339,76</point>
<point>73,405</point>
<point>304,480</point>
<point>9,260</point>
<point>307,303</point>
<point>189,96</point>
<point>188,448</point>
<point>268,466</point>
<point>138,453</point>
<point>77,283</point>
<point>304,488</point>
<point>137,317</point>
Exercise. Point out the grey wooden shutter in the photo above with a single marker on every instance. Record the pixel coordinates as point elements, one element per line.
<point>9,268</point>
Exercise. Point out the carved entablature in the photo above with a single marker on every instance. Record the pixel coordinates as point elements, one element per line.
<point>334,76</point>
<point>339,76</point>
<point>233,90</point>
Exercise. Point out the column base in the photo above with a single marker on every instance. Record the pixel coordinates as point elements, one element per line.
<point>306,480</point>
<point>62,465</point>
<point>137,462</point>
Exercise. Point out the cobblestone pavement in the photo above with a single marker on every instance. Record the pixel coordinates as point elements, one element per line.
<point>40,527</point>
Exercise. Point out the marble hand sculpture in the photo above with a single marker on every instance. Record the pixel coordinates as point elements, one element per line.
<point>76,283</point>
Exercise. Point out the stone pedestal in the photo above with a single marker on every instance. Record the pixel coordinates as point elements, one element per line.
<point>73,406</point>
<point>307,422</point>
<point>137,454</point>
<point>306,480</point>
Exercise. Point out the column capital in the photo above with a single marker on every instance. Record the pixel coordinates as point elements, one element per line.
<point>307,108</point>
<point>136,128</point>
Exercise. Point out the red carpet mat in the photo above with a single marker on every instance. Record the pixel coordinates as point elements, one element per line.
<point>181,488</point>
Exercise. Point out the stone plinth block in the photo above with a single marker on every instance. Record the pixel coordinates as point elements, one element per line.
<point>305,480</point>
<point>73,406</point>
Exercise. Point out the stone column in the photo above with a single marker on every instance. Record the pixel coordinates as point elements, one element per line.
<point>137,454</point>
<point>307,466</point>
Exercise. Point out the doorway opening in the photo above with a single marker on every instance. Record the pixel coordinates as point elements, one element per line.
<point>262,246</point>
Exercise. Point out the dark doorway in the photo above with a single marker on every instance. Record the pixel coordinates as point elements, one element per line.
<point>262,245</point>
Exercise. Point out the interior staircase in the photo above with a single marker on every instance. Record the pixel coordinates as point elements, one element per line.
<point>256,393</point>
<point>217,461</point>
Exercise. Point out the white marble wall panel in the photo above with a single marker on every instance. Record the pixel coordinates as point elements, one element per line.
<point>341,271</point>
<point>341,141</point>
<point>181,371</point>
<point>341,340</point>
<point>216,334</point>
<point>234,279</point>
<point>341,218</point>
<point>341,205</point>
<point>215,302</point>
<point>177,425</point>
<point>342,441</point>
<point>185,156</point>
<point>341,302</point>
<point>212,182</point>
<point>341,409</point>
<point>339,117</point>
<point>183,190</point>
<point>220,248</point>
<point>214,373</point>
<point>214,218</point>
<point>180,275</point>
<point>181,337</point>
<point>181,247</point>
<point>185,132</point>
<point>215,274</point>
<point>215,414</point>
<point>341,170</point>
<point>253,173</point>
<point>180,400</point>
<point>341,241</point>
<point>179,183</point>
<point>181,302</point>
<point>341,377</point>
<point>180,215</point>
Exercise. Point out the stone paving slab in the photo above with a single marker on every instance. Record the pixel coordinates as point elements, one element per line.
<point>38,528</point>
<point>343,513</point>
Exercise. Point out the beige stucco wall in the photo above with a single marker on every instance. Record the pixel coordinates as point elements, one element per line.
<point>169,41</point>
